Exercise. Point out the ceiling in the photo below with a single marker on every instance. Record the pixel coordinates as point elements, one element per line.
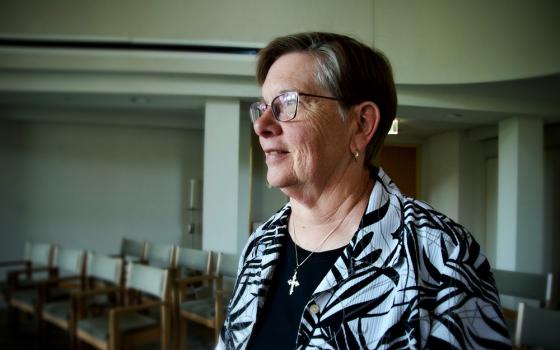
<point>423,111</point>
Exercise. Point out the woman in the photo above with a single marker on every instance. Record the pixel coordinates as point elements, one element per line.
<point>349,262</point>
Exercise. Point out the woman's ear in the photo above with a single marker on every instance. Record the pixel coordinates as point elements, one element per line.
<point>367,118</point>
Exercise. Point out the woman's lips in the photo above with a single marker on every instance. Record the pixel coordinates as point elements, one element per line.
<point>275,155</point>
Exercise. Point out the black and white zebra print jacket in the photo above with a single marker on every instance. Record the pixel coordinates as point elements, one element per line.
<point>411,278</point>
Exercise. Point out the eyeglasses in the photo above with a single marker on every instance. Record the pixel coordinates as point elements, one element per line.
<point>284,106</point>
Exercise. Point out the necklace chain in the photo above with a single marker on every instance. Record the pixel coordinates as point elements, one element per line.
<point>298,264</point>
<point>293,282</point>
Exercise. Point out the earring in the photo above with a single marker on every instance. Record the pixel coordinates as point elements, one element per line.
<point>356,156</point>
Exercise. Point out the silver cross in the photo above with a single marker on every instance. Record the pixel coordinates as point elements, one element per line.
<point>293,282</point>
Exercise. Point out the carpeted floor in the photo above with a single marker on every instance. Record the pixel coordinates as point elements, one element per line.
<point>26,336</point>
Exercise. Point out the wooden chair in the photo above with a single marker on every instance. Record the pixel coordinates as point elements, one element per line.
<point>132,251</point>
<point>157,255</point>
<point>537,327</point>
<point>68,265</point>
<point>160,255</point>
<point>192,265</point>
<point>37,261</point>
<point>126,326</point>
<point>192,279</point>
<point>100,273</point>
<point>210,311</point>
<point>526,286</point>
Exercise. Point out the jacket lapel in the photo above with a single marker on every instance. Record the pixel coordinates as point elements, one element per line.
<point>373,246</point>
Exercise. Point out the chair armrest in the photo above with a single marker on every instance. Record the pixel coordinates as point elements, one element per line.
<point>117,311</point>
<point>14,280</point>
<point>46,286</point>
<point>97,291</point>
<point>114,320</point>
<point>58,280</point>
<point>12,263</point>
<point>29,271</point>
<point>223,292</point>
<point>193,279</point>
<point>78,299</point>
<point>509,313</point>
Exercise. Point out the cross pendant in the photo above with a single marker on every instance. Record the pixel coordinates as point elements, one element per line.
<point>293,282</point>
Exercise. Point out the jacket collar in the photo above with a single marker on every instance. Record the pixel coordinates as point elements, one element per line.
<point>373,243</point>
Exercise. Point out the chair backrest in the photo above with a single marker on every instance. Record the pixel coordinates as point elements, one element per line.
<point>104,268</point>
<point>132,248</point>
<point>148,279</point>
<point>525,285</point>
<point>69,260</point>
<point>227,265</point>
<point>193,260</point>
<point>537,327</point>
<point>39,253</point>
<point>226,268</point>
<point>160,255</point>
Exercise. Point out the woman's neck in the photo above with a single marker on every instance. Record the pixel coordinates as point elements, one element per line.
<point>338,207</point>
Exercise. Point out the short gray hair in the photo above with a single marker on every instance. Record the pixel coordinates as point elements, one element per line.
<point>351,71</point>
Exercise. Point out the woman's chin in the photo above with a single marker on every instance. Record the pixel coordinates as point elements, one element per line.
<point>277,179</point>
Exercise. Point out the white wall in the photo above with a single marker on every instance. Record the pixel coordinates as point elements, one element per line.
<point>453,179</point>
<point>197,21</point>
<point>265,200</point>
<point>87,185</point>
<point>459,178</point>
<point>440,173</point>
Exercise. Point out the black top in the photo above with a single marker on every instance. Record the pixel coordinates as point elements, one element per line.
<point>278,321</point>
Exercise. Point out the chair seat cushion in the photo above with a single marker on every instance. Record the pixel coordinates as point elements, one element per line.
<point>200,307</point>
<point>98,327</point>
<point>30,296</point>
<point>60,309</point>
<point>27,297</point>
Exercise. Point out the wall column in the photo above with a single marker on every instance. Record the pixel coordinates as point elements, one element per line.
<point>520,233</point>
<point>226,188</point>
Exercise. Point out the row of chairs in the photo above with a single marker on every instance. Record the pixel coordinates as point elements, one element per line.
<point>113,302</point>
<point>529,305</point>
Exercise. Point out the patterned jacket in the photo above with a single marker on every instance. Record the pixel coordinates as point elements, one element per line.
<point>410,278</point>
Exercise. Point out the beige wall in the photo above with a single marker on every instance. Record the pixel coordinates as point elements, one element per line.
<point>88,185</point>
<point>223,22</point>
<point>449,42</point>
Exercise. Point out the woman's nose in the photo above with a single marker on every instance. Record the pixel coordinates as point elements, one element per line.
<point>266,125</point>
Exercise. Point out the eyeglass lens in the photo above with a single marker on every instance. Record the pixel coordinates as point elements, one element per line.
<point>284,107</point>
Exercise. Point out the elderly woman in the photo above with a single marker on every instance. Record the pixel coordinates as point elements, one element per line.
<point>349,262</point>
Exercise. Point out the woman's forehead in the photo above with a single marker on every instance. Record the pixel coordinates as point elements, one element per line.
<point>290,72</point>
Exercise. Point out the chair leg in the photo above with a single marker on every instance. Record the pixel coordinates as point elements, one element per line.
<point>13,319</point>
<point>182,329</point>
<point>216,335</point>
<point>44,338</point>
<point>72,340</point>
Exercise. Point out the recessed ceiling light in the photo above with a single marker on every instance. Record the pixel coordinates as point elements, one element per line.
<point>454,115</point>
<point>139,100</point>
<point>394,130</point>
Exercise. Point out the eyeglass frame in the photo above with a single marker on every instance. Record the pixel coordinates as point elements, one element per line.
<point>258,104</point>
